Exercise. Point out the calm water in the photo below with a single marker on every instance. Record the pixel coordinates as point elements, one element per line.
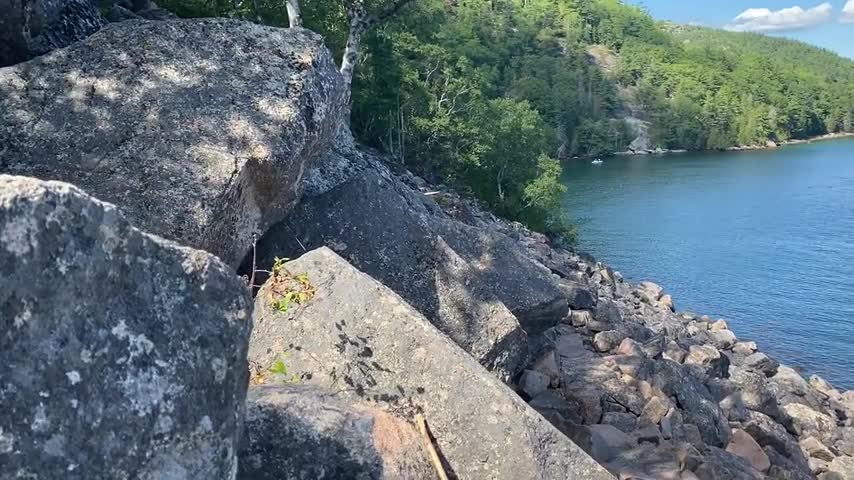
<point>764,239</point>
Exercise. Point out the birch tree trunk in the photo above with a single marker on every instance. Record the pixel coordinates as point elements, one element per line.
<point>294,14</point>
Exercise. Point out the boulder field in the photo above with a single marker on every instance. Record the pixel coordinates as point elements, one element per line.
<point>411,334</point>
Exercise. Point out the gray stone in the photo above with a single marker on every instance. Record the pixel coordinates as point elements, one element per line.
<point>199,130</point>
<point>842,466</point>
<point>606,442</point>
<point>580,318</point>
<point>720,464</point>
<point>303,432</point>
<point>595,326</point>
<point>743,445</point>
<point>673,352</point>
<point>607,341</point>
<point>709,359</point>
<point>123,355</point>
<point>790,387</point>
<point>646,462</point>
<point>547,365</point>
<point>761,362</point>
<point>734,408</point>
<point>654,411</point>
<point>630,347</point>
<point>475,284</point>
<point>719,325</point>
<point>744,348</point>
<point>813,448</point>
<point>533,382</point>
<point>723,339</point>
<point>625,422</point>
<point>808,422</point>
<point>578,296</point>
<point>551,400</point>
<point>670,423</point>
<point>359,338</point>
<point>845,444</point>
<point>755,393</point>
<point>589,396</point>
<point>34,27</point>
<point>767,432</point>
<point>698,406</point>
<point>609,312</point>
<point>785,468</point>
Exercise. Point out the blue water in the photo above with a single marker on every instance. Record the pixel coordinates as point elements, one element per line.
<point>764,239</point>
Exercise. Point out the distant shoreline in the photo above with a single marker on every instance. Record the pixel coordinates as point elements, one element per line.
<point>770,145</point>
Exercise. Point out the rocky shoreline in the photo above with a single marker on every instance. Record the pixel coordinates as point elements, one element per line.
<point>770,144</point>
<point>412,334</point>
<point>657,388</point>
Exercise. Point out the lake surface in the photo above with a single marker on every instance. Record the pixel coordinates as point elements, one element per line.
<point>764,239</point>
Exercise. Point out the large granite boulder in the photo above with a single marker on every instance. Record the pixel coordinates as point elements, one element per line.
<point>475,284</point>
<point>303,432</point>
<point>199,130</point>
<point>34,27</point>
<point>122,355</point>
<point>356,337</point>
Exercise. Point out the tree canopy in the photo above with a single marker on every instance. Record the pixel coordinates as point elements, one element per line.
<point>489,95</point>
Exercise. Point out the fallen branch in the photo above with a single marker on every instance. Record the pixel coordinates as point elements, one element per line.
<point>434,455</point>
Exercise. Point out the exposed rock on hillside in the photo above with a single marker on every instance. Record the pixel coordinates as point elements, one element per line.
<point>34,27</point>
<point>472,283</point>
<point>199,131</point>
<point>296,431</point>
<point>359,338</point>
<point>123,355</point>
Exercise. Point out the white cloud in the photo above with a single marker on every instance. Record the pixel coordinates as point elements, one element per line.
<point>847,12</point>
<point>792,18</point>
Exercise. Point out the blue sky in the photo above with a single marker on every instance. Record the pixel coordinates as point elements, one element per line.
<point>828,24</point>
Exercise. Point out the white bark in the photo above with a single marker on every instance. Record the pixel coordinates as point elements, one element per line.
<point>360,22</point>
<point>294,14</point>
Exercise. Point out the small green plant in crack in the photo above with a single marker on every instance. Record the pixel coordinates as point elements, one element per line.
<point>287,289</point>
<point>281,369</point>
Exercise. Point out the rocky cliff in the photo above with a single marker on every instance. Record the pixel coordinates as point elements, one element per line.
<point>413,333</point>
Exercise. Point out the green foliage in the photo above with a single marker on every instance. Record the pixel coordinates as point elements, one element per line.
<point>287,289</point>
<point>280,369</point>
<point>489,95</point>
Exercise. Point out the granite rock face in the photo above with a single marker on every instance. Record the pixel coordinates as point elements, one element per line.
<point>123,355</point>
<point>473,283</point>
<point>359,338</point>
<point>199,130</point>
<point>29,28</point>
<point>302,432</point>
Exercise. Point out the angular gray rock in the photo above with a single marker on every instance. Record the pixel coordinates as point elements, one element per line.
<point>607,341</point>
<point>710,361</point>
<point>761,362</point>
<point>303,432</point>
<point>359,338</point>
<point>34,27</point>
<point>578,296</point>
<point>720,464</point>
<point>472,283</point>
<point>199,130</point>
<point>122,355</point>
<point>698,406</point>
<point>808,422</point>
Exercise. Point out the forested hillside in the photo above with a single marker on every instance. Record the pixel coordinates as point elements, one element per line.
<point>489,95</point>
